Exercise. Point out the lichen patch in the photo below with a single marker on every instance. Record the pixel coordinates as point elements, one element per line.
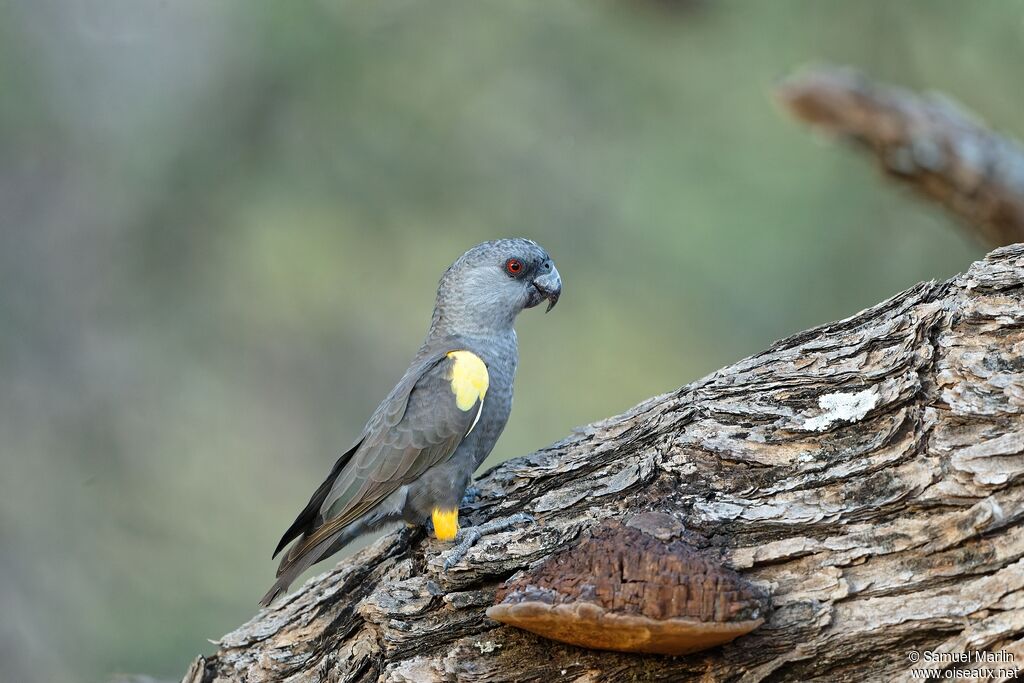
<point>840,407</point>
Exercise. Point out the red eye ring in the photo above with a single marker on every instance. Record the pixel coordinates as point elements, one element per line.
<point>514,266</point>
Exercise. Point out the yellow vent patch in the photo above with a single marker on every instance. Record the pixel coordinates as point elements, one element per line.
<point>446,523</point>
<point>469,378</point>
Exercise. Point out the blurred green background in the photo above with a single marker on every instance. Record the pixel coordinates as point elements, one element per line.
<point>221,225</point>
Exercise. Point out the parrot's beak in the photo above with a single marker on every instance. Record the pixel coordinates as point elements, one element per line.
<point>548,286</point>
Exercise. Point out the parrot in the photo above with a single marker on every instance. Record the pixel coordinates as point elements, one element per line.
<point>415,457</point>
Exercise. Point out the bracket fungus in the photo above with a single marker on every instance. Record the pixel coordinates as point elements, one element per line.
<point>623,589</point>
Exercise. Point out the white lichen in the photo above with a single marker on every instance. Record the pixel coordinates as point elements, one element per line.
<point>486,646</point>
<point>842,408</point>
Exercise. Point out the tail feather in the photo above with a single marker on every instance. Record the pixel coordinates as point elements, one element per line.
<point>275,590</point>
<point>290,569</point>
<point>299,557</point>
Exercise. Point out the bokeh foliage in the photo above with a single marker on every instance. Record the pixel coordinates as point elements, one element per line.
<point>221,225</point>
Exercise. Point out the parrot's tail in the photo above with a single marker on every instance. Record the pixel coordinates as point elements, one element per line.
<point>280,586</point>
<point>299,558</point>
<point>289,575</point>
<point>289,572</point>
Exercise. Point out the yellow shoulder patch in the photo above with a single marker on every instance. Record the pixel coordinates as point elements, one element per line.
<point>469,378</point>
<point>446,523</point>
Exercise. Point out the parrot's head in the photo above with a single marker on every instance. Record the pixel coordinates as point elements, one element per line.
<point>490,284</point>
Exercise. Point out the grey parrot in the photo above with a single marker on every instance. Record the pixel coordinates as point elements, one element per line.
<point>418,451</point>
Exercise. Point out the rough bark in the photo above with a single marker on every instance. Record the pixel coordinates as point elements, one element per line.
<point>867,474</point>
<point>928,143</point>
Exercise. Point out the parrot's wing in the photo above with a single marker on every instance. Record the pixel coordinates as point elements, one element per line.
<point>408,434</point>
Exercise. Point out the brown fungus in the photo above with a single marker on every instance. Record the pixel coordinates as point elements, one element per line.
<point>622,589</point>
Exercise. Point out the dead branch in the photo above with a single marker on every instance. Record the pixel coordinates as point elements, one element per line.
<point>927,142</point>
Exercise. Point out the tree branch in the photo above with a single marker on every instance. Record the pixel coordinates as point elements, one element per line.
<point>927,142</point>
<point>868,475</point>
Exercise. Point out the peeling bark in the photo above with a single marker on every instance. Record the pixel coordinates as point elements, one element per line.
<point>867,474</point>
<point>929,143</point>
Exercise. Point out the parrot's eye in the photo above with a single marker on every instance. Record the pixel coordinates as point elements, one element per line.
<point>513,267</point>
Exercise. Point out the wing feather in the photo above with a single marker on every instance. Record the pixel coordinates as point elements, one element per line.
<point>307,520</point>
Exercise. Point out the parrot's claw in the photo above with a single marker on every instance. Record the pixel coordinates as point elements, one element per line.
<point>471,495</point>
<point>468,537</point>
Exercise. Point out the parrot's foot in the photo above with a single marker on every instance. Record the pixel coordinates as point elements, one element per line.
<point>470,496</point>
<point>468,537</point>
